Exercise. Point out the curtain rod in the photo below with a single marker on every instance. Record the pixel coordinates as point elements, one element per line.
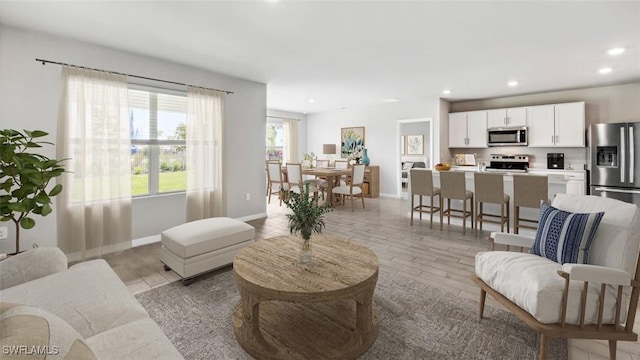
<point>44,62</point>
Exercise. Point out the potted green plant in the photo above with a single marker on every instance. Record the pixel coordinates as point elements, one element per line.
<point>24,178</point>
<point>307,218</point>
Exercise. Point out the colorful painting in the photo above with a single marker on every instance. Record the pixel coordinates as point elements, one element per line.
<point>352,142</point>
<point>415,144</point>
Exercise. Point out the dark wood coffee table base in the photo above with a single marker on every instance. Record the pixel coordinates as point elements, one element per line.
<point>307,330</point>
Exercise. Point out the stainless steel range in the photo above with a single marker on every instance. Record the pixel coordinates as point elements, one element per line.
<point>508,163</point>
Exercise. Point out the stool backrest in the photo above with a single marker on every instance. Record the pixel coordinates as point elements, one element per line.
<point>421,182</point>
<point>452,185</point>
<point>489,188</point>
<point>529,190</point>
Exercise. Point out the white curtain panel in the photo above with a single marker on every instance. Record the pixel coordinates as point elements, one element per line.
<point>205,120</point>
<point>290,153</point>
<point>94,210</point>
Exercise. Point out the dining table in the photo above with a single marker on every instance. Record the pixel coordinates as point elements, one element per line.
<point>330,173</point>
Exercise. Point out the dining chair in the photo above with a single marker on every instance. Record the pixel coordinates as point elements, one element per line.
<point>276,183</point>
<point>342,164</point>
<point>422,185</point>
<point>452,186</point>
<point>322,163</point>
<point>355,187</point>
<point>295,181</point>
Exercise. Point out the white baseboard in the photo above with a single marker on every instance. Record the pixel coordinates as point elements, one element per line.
<point>99,252</point>
<point>253,217</point>
<point>146,240</point>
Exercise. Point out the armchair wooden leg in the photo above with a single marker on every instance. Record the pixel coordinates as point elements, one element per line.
<point>483,297</point>
<point>362,198</point>
<point>544,347</point>
<point>612,349</point>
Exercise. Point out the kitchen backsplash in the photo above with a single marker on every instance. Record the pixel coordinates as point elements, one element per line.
<point>576,158</point>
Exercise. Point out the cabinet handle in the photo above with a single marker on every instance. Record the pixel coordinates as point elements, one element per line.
<point>553,140</point>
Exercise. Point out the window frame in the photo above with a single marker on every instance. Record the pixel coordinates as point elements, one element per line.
<point>154,144</point>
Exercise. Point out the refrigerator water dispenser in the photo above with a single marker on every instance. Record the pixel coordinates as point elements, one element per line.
<point>607,156</point>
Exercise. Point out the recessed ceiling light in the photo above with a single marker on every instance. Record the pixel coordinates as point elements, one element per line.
<point>605,70</point>
<point>446,92</point>
<point>391,100</point>
<point>512,83</point>
<point>615,51</point>
<point>312,100</point>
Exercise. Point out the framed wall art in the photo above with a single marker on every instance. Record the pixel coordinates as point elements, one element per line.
<point>352,142</point>
<point>415,144</point>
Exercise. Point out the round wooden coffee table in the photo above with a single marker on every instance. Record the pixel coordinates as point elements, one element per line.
<point>320,310</point>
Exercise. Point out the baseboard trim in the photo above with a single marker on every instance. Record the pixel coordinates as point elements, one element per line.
<point>146,240</point>
<point>253,217</point>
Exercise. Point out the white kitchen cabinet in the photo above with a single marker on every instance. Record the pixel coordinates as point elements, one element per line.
<point>541,126</point>
<point>458,130</point>
<point>570,124</point>
<point>559,125</point>
<point>468,129</point>
<point>507,117</point>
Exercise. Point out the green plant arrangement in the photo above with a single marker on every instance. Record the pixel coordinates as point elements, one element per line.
<point>307,218</point>
<point>24,177</point>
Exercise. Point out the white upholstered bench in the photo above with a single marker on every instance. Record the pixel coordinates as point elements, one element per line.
<point>200,246</point>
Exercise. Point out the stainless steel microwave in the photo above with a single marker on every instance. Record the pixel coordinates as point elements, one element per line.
<point>507,136</point>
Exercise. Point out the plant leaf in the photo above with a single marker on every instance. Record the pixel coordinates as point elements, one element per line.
<point>27,223</point>
<point>56,190</point>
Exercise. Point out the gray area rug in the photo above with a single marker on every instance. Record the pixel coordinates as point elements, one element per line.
<point>416,322</point>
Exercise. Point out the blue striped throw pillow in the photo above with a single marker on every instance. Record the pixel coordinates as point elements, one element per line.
<point>565,237</point>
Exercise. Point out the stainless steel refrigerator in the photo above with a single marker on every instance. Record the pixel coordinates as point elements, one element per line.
<point>615,161</point>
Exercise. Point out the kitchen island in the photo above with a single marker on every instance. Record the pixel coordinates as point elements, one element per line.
<point>560,182</point>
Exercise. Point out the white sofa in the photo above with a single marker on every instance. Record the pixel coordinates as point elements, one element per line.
<point>89,297</point>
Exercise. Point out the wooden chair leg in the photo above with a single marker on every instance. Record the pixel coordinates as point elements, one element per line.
<point>483,297</point>
<point>475,220</point>
<point>508,217</point>
<point>516,219</point>
<point>351,202</point>
<point>449,212</point>
<point>544,347</point>
<point>412,205</point>
<point>362,198</point>
<point>464,217</point>
<point>431,214</point>
<point>420,204</point>
<point>613,344</point>
<point>441,211</point>
<point>501,217</point>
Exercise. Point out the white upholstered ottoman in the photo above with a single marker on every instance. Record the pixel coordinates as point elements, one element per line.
<point>197,247</point>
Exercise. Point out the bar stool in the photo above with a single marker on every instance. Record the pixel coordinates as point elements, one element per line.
<point>528,191</point>
<point>422,185</point>
<point>490,189</point>
<point>452,186</point>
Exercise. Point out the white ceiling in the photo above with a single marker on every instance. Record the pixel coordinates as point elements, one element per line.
<point>355,53</point>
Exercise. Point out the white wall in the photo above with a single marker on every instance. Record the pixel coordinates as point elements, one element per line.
<point>381,133</point>
<point>29,95</point>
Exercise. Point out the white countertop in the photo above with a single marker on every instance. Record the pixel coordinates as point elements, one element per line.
<point>561,175</point>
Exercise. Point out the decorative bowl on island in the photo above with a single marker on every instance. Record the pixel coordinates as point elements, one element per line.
<point>443,167</point>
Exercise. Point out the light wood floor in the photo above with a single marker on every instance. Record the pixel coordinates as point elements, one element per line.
<point>443,259</point>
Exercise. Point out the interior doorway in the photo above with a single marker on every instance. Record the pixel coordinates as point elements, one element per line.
<point>415,149</point>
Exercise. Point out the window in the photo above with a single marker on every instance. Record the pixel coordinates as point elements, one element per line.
<point>158,150</point>
<point>275,140</point>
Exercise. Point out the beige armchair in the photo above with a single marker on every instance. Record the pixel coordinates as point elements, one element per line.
<point>596,300</point>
